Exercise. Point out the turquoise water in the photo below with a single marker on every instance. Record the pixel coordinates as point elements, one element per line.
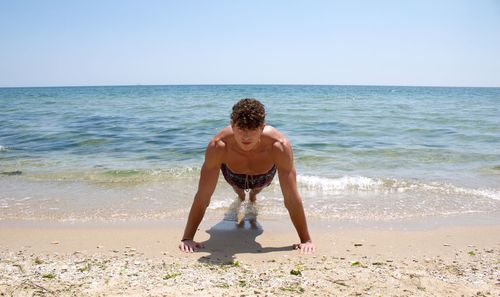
<point>134,152</point>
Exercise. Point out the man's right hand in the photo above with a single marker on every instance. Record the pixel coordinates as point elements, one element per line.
<point>190,246</point>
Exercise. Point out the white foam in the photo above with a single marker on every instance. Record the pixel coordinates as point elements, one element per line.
<point>367,184</point>
<point>219,204</point>
<point>487,193</point>
<point>356,183</point>
<point>24,199</point>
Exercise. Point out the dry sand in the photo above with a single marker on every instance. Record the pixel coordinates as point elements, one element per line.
<point>143,260</point>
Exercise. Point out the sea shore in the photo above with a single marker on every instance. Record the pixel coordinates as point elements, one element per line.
<point>250,259</point>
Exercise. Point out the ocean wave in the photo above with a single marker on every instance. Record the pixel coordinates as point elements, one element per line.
<point>118,176</point>
<point>388,185</point>
<point>345,183</point>
<point>309,183</point>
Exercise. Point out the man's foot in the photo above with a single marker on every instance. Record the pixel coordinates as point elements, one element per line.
<point>251,211</point>
<point>234,210</point>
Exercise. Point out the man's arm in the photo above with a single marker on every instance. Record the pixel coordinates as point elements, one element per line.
<point>206,187</point>
<point>283,156</point>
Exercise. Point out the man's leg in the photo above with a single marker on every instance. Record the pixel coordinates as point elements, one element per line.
<point>240,193</point>
<point>253,194</point>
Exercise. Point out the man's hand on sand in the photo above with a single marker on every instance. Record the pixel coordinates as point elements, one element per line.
<point>305,248</point>
<point>190,246</point>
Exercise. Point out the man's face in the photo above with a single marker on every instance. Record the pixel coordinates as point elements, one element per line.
<point>247,139</point>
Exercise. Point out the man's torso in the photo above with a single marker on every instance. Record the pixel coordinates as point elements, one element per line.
<point>258,161</point>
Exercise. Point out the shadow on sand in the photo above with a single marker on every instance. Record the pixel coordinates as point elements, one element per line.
<point>230,237</point>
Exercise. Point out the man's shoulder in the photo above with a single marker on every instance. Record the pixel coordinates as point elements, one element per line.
<point>215,152</point>
<point>280,145</point>
<point>224,134</point>
<point>219,142</point>
<point>282,152</point>
<point>216,144</point>
<point>275,137</point>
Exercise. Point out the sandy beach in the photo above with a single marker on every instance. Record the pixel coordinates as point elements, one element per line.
<point>55,259</point>
<point>374,126</point>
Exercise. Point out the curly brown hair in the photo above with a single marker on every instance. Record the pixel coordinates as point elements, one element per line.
<point>248,114</point>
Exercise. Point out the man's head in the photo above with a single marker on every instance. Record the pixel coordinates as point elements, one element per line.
<point>248,114</point>
<point>247,121</point>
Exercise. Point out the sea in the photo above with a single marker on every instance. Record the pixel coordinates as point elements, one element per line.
<point>362,153</point>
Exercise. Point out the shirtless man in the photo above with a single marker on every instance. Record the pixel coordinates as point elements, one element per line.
<point>248,153</point>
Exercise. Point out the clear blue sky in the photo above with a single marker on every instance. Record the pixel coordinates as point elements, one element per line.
<point>433,43</point>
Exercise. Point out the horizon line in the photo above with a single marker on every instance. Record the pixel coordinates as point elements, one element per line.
<point>243,84</point>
